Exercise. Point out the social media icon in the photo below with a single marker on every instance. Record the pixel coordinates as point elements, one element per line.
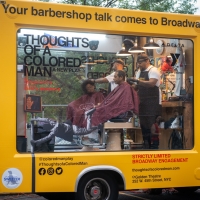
<point>50,171</point>
<point>42,171</point>
<point>59,170</point>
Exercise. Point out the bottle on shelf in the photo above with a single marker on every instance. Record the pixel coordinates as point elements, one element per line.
<point>164,96</point>
<point>136,121</point>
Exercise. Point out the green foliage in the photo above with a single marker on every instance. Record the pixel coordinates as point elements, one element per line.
<point>173,6</point>
<point>186,6</point>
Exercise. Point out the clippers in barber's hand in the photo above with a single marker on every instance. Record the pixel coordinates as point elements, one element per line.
<point>130,81</point>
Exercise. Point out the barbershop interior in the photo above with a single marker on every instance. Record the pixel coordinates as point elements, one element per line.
<point>53,101</point>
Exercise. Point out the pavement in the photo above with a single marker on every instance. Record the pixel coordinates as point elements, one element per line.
<point>25,196</point>
<point>21,196</point>
<point>168,193</point>
<point>31,196</point>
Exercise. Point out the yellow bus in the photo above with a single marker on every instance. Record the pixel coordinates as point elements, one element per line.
<point>47,52</point>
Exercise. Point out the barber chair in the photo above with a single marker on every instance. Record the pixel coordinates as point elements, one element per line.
<point>115,137</point>
<point>96,144</point>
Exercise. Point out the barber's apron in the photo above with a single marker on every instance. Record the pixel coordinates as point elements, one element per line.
<point>149,101</point>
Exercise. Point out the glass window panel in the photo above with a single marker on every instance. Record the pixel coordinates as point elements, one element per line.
<point>51,67</point>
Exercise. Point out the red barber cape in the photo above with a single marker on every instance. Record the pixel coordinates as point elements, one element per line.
<point>76,109</point>
<point>122,99</point>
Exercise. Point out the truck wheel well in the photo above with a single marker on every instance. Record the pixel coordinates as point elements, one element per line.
<point>112,174</point>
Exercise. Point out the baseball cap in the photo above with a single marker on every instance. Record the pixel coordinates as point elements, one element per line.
<point>142,57</point>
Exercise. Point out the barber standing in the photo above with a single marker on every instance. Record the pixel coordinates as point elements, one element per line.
<point>148,82</point>
<point>116,65</point>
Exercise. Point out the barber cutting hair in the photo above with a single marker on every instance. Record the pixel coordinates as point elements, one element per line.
<point>147,81</point>
<point>116,65</point>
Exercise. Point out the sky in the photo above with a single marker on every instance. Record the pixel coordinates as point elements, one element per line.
<point>198,5</point>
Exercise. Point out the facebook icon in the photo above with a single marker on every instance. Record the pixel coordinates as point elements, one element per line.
<point>42,171</point>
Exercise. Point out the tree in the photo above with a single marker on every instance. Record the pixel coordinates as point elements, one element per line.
<point>173,6</point>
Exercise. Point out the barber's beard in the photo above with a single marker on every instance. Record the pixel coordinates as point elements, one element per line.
<point>90,93</point>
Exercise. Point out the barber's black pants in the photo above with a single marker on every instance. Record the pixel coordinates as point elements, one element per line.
<point>146,134</point>
<point>155,144</point>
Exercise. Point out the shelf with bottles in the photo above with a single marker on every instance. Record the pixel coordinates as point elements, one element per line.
<point>172,103</point>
